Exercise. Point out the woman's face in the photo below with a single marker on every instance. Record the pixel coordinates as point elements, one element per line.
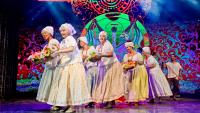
<point>102,38</point>
<point>129,49</point>
<point>82,44</point>
<point>144,53</point>
<point>64,32</point>
<point>46,35</point>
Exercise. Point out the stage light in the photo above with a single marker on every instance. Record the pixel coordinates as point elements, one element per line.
<point>51,0</point>
<point>54,10</point>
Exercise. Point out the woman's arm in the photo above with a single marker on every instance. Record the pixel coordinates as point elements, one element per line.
<point>151,63</point>
<point>66,50</point>
<point>107,54</point>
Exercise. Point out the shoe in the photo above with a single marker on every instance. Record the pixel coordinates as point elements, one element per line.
<point>70,110</point>
<point>90,105</point>
<point>55,108</point>
<point>135,104</point>
<point>151,101</point>
<point>159,100</point>
<point>174,99</point>
<point>108,105</point>
<point>65,109</point>
<point>130,103</point>
<point>113,103</point>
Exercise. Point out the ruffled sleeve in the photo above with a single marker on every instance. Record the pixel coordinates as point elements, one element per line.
<point>140,58</point>
<point>71,41</point>
<point>151,61</point>
<point>125,59</point>
<point>53,45</point>
<point>108,47</point>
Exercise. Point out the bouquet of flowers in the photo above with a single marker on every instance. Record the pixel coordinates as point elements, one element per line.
<point>54,48</point>
<point>93,57</point>
<point>129,65</point>
<point>36,57</point>
<point>48,51</point>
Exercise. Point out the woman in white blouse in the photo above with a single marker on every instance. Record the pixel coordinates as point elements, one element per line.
<point>137,87</point>
<point>71,87</point>
<point>110,82</point>
<point>90,67</point>
<point>158,84</point>
<point>47,76</point>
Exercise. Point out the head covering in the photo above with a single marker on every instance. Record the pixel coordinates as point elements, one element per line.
<point>129,44</point>
<point>103,33</point>
<point>146,50</point>
<point>48,29</point>
<point>83,39</point>
<point>69,27</point>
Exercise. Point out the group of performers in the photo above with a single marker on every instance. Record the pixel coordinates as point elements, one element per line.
<point>70,78</point>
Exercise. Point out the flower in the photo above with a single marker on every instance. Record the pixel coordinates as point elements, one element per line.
<point>129,65</point>
<point>36,57</point>
<point>46,53</point>
<point>93,57</point>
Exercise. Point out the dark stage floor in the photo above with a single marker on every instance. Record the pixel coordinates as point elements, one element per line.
<point>179,106</point>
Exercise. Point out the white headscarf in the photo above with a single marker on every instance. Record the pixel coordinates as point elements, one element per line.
<point>103,33</point>
<point>69,27</point>
<point>48,29</point>
<point>146,50</point>
<point>83,39</point>
<point>129,44</point>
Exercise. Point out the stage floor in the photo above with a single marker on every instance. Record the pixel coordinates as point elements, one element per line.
<point>179,106</point>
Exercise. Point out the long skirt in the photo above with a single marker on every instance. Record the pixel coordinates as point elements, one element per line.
<point>138,84</point>
<point>110,83</point>
<point>70,86</point>
<point>91,78</point>
<point>158,84</point>
<point>46,80</point>
<point>45,85</point>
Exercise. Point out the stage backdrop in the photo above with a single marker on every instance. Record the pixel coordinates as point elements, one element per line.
<point>123,20</point>
<point>165,39</point>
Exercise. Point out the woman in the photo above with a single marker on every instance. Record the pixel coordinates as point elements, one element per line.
<point>47,76</point>
<point>110,84</point>
<point>158,85</point>
<point>71,88</point>
<point>90,67</point>
<point>137,77</point>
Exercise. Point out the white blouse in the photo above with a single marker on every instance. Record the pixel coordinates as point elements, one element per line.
<point>137,58</point>
<point>53,45</point>
<point>152,61</point>
<point>74,56</point>
<point>88,53</point>
<point>107,47</point>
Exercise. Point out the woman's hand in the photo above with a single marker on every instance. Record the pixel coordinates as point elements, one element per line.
<point>84,57</point>
<point>54,54</point>
<point>108,54</point>
<point>152,66</point>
